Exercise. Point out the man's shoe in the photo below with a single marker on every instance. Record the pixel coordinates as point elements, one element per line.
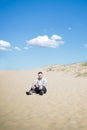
<point>31,92</point>
<point>27,93</point>
<point>41,92</point>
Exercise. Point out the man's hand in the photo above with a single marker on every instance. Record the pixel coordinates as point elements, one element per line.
<point>37,84</point>
<point>40,87</point>
<point>33,87</point>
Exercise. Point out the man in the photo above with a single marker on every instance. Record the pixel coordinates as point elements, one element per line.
<point>39,86</point>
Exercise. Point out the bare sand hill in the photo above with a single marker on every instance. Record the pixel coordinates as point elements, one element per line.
<point>64,107</point>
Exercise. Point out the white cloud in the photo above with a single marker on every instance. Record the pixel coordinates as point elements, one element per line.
<point>26,48</point>
<point>17,48</point>
<point>85,45</point>
<point>4,45</point>
<point>56,37</point>
<point>3,49</point>
<point>45,41</point>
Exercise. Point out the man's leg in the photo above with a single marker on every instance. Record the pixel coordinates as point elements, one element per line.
<point>37,90</point>
<point>31,91</point>
<point>43,90</point>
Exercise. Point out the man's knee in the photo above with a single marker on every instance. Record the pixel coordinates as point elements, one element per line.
<point>37,90</point>
<point>41,92</point>
<point>44,89</point>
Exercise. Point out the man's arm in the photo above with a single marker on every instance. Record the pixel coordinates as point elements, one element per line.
<point>34,84</point>
<point>44,83</point>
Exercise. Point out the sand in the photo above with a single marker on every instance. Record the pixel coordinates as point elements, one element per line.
<point>63,107</point>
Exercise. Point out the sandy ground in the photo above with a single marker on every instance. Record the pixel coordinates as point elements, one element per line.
<point>64,107</point>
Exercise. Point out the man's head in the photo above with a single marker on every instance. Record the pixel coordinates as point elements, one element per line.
<point>40,75</point>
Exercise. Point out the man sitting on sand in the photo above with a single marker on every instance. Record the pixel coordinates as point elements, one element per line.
<point>39,86</point>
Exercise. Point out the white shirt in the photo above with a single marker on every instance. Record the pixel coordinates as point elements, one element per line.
<point>41,82</point>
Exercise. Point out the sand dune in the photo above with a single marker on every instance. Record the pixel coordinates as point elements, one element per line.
<point>64,107</point>
<point>77,69</point>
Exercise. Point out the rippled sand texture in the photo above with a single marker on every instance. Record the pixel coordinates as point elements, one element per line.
<point>64,107</point>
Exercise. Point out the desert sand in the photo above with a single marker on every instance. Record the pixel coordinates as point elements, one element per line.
<point>63,107</point>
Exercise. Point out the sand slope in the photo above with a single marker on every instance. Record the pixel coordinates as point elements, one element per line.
<point>64,107</point>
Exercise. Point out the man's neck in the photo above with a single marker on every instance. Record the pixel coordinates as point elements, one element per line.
<point>39,78</point>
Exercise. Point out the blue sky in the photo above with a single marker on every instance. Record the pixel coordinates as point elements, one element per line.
<point>35,33</point>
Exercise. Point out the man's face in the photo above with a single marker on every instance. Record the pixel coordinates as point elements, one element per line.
<point>40,76</point>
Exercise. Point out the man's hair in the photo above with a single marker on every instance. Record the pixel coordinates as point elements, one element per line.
<point>40,72</point>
